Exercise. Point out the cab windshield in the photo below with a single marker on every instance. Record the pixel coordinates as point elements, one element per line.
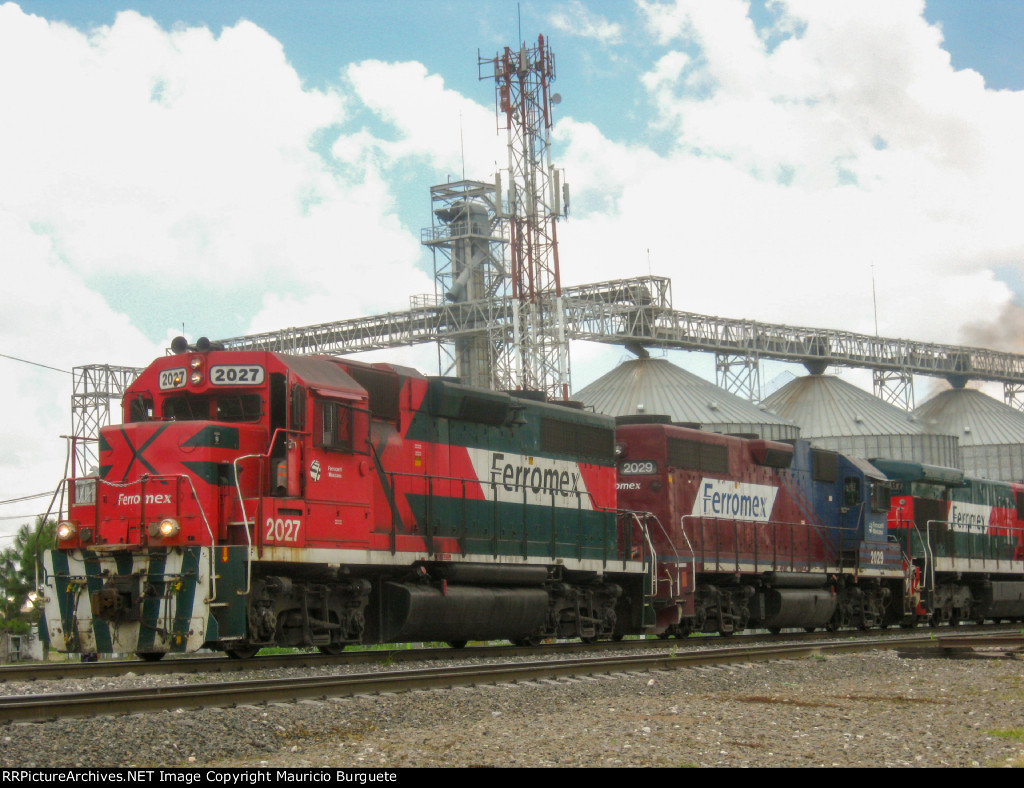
<point>222,407</point>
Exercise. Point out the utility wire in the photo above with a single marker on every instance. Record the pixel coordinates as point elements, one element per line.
<point>34,363</point>
<point>26,498</point>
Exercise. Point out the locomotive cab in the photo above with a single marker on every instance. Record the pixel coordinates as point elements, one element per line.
<point>219,458</point>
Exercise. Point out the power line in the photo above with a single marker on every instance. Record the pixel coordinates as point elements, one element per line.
<point>34,363</point>
<point>27,497</point>
<point>24,516</point>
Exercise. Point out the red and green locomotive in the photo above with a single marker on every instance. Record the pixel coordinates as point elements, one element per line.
<point>965,537</point>
<point>257,499</point>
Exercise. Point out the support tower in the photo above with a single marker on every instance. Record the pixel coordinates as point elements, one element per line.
<point>469,252</point>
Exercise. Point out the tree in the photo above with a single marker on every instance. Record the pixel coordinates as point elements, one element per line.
<point>18,574</point>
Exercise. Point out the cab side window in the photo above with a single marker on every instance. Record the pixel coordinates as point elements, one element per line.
<point>335,426</point>
<point>851,491</point>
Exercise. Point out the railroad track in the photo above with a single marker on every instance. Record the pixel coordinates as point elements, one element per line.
<point>220,664</point>
<point>214,663</point>
<point>19,708</point>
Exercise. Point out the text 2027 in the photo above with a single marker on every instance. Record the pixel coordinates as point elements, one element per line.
<point>236,375</point>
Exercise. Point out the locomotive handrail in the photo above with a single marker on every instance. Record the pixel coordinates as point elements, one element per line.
<point>926,549</point>
<point>654,553</point>
<point>908,579</point>
<point>245,516</point>
<point>929,552</point>
<point>986,544</point>
<point>492,487</point>
<point>669,540</point>
<point>819,529</point>
<point>259,497</point>
<point>141,481</point>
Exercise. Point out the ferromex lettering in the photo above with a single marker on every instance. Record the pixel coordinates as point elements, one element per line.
<point>135,500</point>
<point>518,478</point>
<point>969,518</point>
<point>734,500</point>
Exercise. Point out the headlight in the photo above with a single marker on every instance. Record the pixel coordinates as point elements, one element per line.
<point>196,363</point>
<point>196,378</point>
<point>65,530</point>
<point>168,527</point>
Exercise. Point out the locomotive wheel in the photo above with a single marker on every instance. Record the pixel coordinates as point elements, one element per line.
<point>332,650</point>
<point>809,629</point>
<point>150,656</point>
<point>248,652</point>
<point>775,630</point>
<point>457,643</point>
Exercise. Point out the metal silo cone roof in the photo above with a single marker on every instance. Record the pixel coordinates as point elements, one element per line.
<point>825,406</point>
<point>655,386</point>
<point>973,416</point>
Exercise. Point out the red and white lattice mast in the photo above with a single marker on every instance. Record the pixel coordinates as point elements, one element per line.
<point>531,206</point>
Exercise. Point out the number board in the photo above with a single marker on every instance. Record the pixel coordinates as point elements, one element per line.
<point>638,468</point>
<point>173,379</point>
<point>236,375</point>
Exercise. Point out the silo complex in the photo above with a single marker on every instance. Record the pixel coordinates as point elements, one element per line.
<point>655,386</point>
<point>991,433</point>
<point>834,414</point>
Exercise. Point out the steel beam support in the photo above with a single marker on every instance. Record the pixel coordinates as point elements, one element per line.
<point>739,375</point>
<point>896,388</point>
<point>1012,395</point>
<point>95,391</point>
<point>639,311</point>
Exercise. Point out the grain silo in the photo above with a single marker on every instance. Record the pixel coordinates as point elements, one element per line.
<point>655,386</point>
<point>834,414</point>
<point>991,433</point>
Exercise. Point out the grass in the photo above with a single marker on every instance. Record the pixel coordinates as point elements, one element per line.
<point>1017,734</point>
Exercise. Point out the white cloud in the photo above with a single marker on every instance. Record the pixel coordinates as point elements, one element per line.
<point>577,20</point>
<point>426,119</point>
<point>804,155</point>
<point>178,166</point>
<point>132,142</point>
<point>47,316</point>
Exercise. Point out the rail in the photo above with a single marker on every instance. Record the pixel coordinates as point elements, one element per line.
<point>120,701</point>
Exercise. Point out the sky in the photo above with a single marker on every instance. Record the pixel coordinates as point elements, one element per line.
<point>221,168</point>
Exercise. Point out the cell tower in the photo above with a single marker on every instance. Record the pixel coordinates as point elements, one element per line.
<point>535,199</point>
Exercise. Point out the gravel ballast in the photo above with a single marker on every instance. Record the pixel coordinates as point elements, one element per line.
<point>860,710</point>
